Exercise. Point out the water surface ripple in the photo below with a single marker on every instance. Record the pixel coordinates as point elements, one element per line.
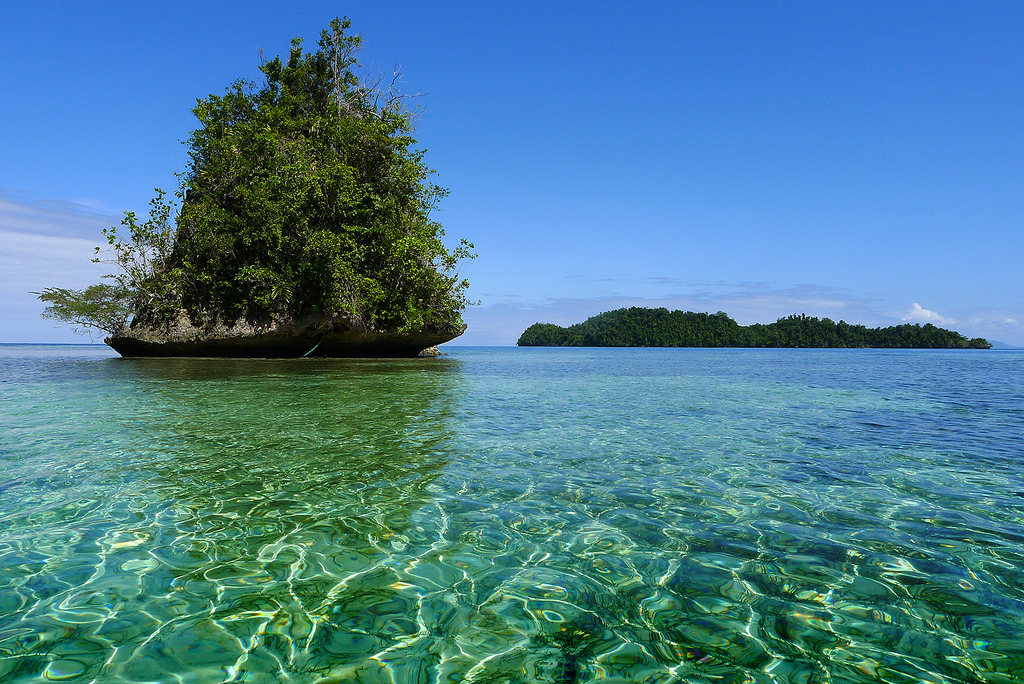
<point>513,515</point>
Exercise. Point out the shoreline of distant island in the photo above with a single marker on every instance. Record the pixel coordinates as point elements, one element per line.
<point>644,327</point>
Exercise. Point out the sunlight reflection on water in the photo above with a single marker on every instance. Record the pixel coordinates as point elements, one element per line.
<point>513,515</point>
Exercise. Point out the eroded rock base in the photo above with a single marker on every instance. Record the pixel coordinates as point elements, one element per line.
<point>280,338</point>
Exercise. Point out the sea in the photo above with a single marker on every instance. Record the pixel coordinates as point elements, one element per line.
<point>513,515</point>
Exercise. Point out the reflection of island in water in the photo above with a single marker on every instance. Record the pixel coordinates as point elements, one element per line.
<point>259,442</point>
<point>281,492</point>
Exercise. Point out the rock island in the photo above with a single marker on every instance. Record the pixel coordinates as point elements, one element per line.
<point>302,227</point>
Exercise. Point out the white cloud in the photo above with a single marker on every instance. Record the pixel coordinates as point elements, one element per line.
<point>53,217</point>
<point>44,244</point>
<point>918,314</point>
<point>999,325</point>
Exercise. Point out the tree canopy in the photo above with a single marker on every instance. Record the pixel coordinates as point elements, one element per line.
<point>641,327</point>
<point>304,195</point>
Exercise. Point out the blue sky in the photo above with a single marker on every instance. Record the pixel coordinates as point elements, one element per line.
<point>857,160</point>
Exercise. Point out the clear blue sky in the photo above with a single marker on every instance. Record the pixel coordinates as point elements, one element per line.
<point>856,160</point>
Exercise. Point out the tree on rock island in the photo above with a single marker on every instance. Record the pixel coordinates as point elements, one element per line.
<point>306,216</point>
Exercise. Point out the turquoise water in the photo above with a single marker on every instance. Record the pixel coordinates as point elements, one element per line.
<point>513,515</point>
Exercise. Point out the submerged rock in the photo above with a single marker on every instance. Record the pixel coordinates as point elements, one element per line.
<point>279,337</point>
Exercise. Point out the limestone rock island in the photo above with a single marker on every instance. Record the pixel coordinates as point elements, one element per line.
<point>304,228</point>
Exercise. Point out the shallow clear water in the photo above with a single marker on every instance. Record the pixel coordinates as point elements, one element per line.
<point>513,515</point>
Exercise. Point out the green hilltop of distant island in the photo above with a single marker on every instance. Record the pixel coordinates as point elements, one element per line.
<point>642,327</point>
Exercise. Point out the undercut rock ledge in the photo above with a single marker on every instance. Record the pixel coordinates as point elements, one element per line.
<point>317,336</point>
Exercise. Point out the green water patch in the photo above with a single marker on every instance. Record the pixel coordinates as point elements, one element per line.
<point>501,516</point>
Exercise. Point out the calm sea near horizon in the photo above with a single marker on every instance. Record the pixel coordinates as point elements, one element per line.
<point>513,515</point>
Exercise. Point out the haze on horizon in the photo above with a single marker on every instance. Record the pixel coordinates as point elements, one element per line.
<point>859,161</point>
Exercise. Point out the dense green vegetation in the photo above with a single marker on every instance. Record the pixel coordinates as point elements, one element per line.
<point>639,327</point>
<point>303,196</point>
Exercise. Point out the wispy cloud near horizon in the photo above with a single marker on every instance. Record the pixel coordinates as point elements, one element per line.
<point>56,218</point>
<point>44,244</point>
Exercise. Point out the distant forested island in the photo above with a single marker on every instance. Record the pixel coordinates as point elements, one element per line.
<point>641,327</point>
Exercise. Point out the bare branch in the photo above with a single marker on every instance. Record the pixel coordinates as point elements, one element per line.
<point>387,98</point>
